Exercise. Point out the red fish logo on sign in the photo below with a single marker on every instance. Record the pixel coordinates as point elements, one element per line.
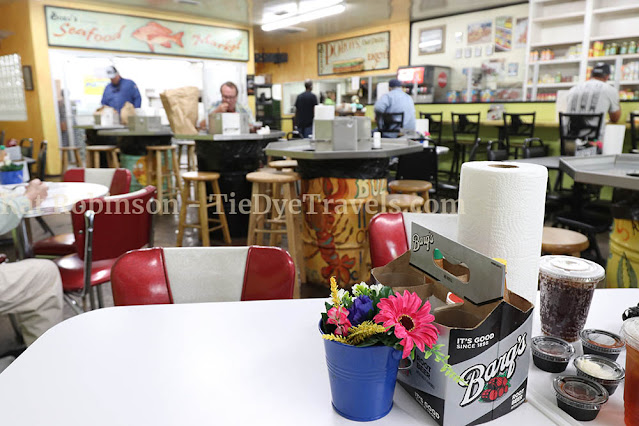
<point>155,34</point>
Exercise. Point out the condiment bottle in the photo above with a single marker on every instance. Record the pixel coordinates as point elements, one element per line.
<point>624,48</point>
<point>632,47</point>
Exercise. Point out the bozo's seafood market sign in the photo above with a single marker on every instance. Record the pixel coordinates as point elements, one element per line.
<point>108,31</point>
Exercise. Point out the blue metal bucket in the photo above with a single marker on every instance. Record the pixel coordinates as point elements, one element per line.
<point>8,178</point>
<point>362,379</point>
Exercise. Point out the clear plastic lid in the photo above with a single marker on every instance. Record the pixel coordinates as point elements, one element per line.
<point>605,370</point>
<point>552,348</point>
<point>630,332</point>
<point>572,268</point>
<point>580,392</point>
<point>602,341</point>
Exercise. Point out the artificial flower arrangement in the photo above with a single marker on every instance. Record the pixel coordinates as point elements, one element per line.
<point>7,166</point>
<point>373,315</point>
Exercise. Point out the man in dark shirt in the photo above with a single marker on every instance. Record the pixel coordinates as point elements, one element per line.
<point>305,110</point>
<point>120,91</point>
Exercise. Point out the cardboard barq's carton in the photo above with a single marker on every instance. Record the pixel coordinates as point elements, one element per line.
<point>480,371</point>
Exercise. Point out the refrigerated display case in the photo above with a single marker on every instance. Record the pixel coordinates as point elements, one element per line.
<point>426,84</point>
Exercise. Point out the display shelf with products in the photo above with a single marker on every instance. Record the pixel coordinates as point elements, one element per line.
<point>624,8</point>
<point>562,17</point>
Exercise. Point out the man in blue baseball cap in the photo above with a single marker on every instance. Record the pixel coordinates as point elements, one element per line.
<point>120,91</point>
<point>395,101</point>
<point>596,96</point>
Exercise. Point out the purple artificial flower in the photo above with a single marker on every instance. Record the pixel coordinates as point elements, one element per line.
<point>359,311</point>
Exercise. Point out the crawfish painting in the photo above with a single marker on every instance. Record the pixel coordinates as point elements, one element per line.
<point>154,34</point>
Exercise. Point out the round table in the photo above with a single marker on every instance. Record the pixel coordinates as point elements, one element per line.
<point>61,198</point>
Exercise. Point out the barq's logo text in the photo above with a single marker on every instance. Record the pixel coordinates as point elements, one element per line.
<point>478,375</point>
<point>419,241</point>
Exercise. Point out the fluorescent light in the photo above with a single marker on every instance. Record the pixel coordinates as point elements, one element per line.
<point>305,17</point>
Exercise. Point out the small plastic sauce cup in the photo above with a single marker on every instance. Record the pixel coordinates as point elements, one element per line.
<point>580,397</point>
<point>602,343</point>
<point>602,370</point>
<point>551,354</point>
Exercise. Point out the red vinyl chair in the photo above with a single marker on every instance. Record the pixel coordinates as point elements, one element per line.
<point>387,237</point>
<point>118,181</point>
<point>105,228</point>
<point>202,274</point>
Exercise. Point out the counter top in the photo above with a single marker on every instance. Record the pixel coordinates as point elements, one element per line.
<point>227,138</point>
<point>126,132</point>
<point>96,127</point>
<point>301,149</point>
<point>619,171</point>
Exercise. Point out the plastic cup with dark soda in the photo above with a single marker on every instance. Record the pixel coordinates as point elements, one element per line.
<point>630,332</point>
<point>567,285</point>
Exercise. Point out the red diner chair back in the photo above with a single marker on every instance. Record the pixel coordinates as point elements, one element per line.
<point>117,180</point>
<point>387,236</point>
<point>202,274</point>
<point>104,229</point>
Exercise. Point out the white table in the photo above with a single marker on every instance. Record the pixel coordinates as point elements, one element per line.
<point>61,197</point>
<point>238,363</point>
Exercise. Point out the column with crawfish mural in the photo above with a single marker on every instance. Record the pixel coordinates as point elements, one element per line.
<point>339,198</point>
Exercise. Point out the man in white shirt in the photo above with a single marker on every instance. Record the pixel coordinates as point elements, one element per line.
<point>32,288</point>
<point>596,96</point>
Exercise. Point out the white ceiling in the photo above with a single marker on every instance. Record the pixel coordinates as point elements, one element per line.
<point>359,13</point>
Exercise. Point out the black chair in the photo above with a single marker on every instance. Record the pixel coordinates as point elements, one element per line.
<point>518,126</point>
<point>293,135</point>
<point>465,133</point>
<point>529,150</point>
<point>634,132</point>
<point>41,174</point>
<point>389,124</point>
<point>472,156</point>
<point>578,126</point>
<point>26,147</point>
<point>420,166</point>
<point>435,125</point>
<point>497,151</point>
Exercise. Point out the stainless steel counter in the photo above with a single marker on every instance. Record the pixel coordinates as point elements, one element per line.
<point>126,132</point>
<point>230,138</point>
<point>619,171</point>
<point>96,127</point>
<point>302,149</point>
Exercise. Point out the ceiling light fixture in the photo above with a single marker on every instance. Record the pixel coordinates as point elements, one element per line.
<point>305,17</point>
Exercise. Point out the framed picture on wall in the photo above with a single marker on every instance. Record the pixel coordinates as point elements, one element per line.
<point>432,40</point>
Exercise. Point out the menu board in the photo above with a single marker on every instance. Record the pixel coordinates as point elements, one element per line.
<point>365,53</point>
<point>108,31</point>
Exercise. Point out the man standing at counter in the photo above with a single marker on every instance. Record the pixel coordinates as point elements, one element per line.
<point>229,103</point>
<point>120,91</point>
<point>305,110</point>
<point>596,96</point>
<point>395,101</point>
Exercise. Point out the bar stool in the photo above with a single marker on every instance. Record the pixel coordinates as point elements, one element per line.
<point>412,187</point>
<point>404,203</point>
<point>191,159</point>
<point>64,156</point>
<point>283,165</point>
<point>158,155</point>
<point>93,156</point>
<point>200,179</point>
<point>282,186</point>
<point>563,241</point>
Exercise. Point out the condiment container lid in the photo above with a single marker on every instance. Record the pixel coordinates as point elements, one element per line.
<point>572,268</point>
<point>606,365</point>
<point>552,348</point>
<point>630,332</point>
<point>580,392</point>
<point>602,341</point>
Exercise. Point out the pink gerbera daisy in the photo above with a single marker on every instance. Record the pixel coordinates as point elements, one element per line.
<point>412,323</point>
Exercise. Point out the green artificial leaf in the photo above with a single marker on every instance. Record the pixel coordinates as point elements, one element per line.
<point>347,301</point>
<point>385,292</point>
<point>328,306</point>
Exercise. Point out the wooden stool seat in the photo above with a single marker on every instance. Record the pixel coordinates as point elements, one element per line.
<point>408,186</point>
<point>271,204</point>
<point>563,241</point>
<point>283,164</point>
<point>200,176</point>
<point>64,157</point>
<point>157,155</point>
<point>272,177</point>
<point>200,179</point>
<point>93,155</point>
<point>404,202</point>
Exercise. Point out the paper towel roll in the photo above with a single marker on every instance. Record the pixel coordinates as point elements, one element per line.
<point>324,112</point>
<point>501,214</point>
<point>613,139</point>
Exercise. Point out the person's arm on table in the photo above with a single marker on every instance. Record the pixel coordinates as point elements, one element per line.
<point>14,207</point>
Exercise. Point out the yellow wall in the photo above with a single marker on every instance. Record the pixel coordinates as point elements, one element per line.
<point>26,19</point>
<point>302,56</point>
